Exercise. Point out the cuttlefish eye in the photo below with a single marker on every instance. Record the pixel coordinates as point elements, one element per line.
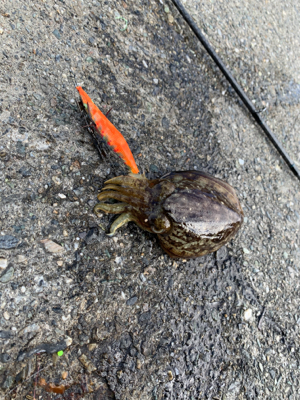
<point>161,224</point>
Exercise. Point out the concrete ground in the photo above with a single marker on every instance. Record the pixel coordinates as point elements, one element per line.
<point>131,322</point>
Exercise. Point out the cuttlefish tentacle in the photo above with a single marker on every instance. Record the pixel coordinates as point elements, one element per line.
<point>131,180</point>
<point>111,194</point>
<point>124,219</point>
<point>131,192</point>
<point>117,208</point>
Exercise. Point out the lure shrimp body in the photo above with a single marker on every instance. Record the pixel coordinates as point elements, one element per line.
<point>192,212</point>
<point>108,131</point>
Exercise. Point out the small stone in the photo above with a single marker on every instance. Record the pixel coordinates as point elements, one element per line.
<point>272,373</point>
<point>68,341</point>
<point>272,91</point>
<point>4,357</point>
<point>25,172</point>
<point>88,365</point>
<point>62,196</point>
<point>56,180</point>
<point>56,33</point>
<point>165,123</point>
<point>132,301</point>
<point>52,247</point>
<point>170,375</point>
<point>8,242</point>
<point>170,19</point>
<point>119,374</point>
<point>64,375</point>
<point>242,162</point>
<point>246,251</point>
<point>248,314</point>
<point>138,364</point>
<point>222,254</point>
<point>65,233</point>
<point>92,346</point>
<point>153,168</point>
<point>8,382</point>
<point>7,275</point>
<point>118,260</point>
<point>155,81</point>
<point>82,235</point>
<point>78,191</point>
<point>21,258</point>
<point>167,10</point>
<point>6,315</point>
<point>23,289</point>
<point>60,263</point>
<point>3,263</point>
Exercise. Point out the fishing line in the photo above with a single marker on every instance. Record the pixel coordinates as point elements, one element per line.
<point>242,95</point>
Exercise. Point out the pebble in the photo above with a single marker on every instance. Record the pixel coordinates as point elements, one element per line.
<point>60,263</point>
<point>3,263</point>
<point>88,365</point>
<point>52,247</point>
<point>248,314</point>
<point>246,251</point>
<point>64,375</point>
<point>21,258</point>
<point>153,168</point>
<point>25,172</point>
<point>170,375</point>
<point>170,19</point>
<point>62,196</point>
<point>242,162</point>
<point>92,346</point>
<point>4,357</point>
<point>5,334</point>
<point>56,180</point>
<point>23,289</point>
<point>7,275</point>
<point>132,301</point>
<point>56,33</point>
<point>8,242</point>
<point>68,341</point>
<point>155,81</point>
<point>165,123</point>
<point>6,315</point>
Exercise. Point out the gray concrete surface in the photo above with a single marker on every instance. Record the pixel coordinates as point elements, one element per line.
<point>134,324</point>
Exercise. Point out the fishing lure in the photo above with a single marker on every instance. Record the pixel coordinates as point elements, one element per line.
<point>108,131</point>
<point>192,212</point>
